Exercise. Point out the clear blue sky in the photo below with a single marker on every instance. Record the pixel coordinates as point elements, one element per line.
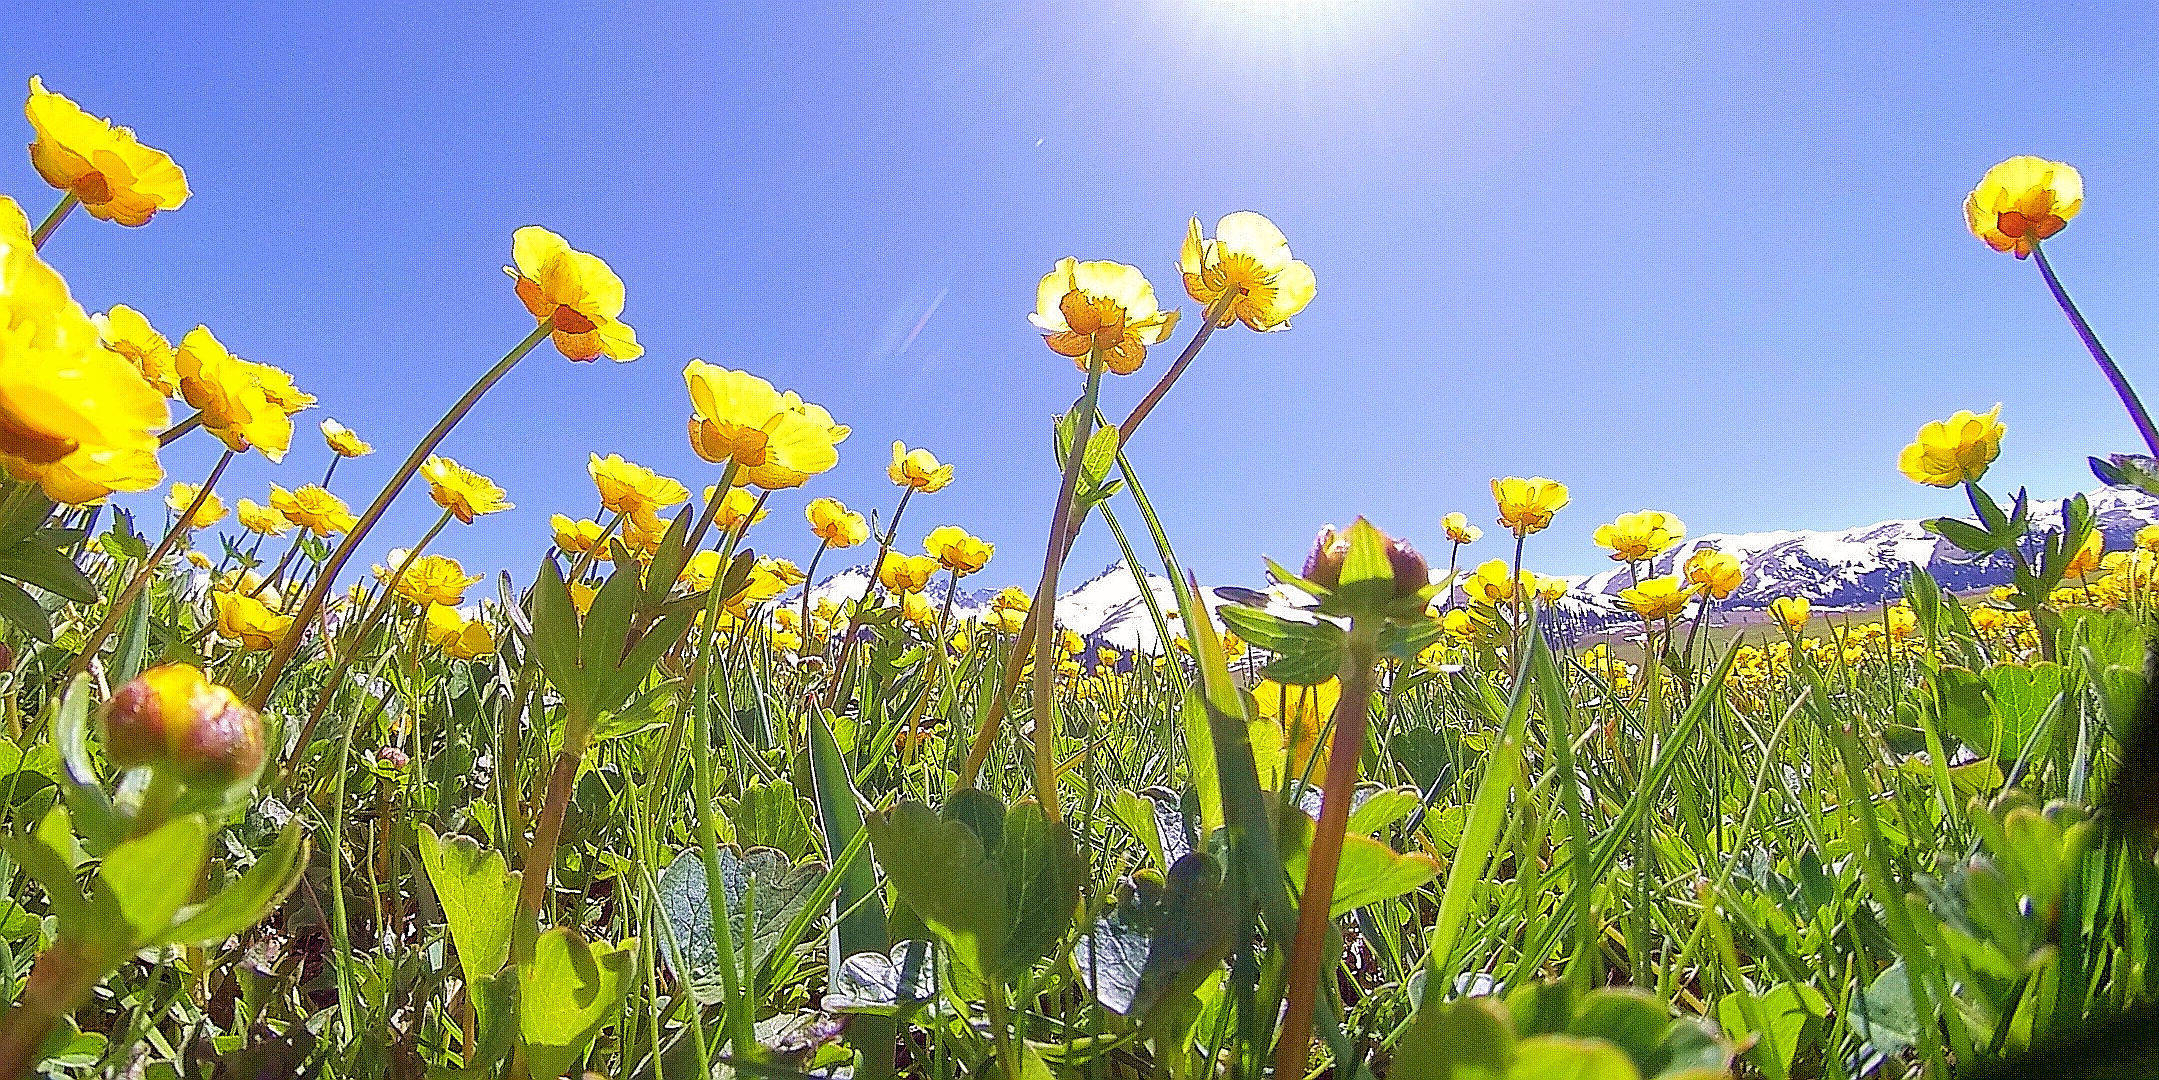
<point>1711,262</point>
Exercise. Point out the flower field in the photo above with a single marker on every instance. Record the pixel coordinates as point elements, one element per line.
<point>286,794</point>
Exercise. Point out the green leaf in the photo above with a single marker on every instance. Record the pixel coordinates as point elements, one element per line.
<point>781,888</point>
<point>1042,872</point>
<point>21,611</point>
<point>49,854</point>
<point>1466,1039</point>
<point>478,894</point>
<point>567,994</point>
<point>149,877</point>
<point>2022,697</point>
<point>839,809</point>
<point>1369,872</point>
<point>938,867</point>
<point>1793,1015</point>
<point>1161,939</point>
<point>884,983</point>
<point>1367,575</point>
<point>243,903</point>
<point>555,632</point>
<point>1963,534</point>
<point>1884,1015</point>
<point>131,651</point>
<point>1568,1057</point>
<point>33,561</point>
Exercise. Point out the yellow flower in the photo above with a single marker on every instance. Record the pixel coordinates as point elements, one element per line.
<point>1493,583</point>
<point>248,620</point>
<point>2148,538</point>
<point>907,573</point>
<point>1106,306</point>
<point>117,178</point>
<point>578,537</point>
<point>429,579</point>
<point>125,331</point>
<point>251,583</point>
<point>736,507</point>
<point>785,570</point>
<point>573,294</point>
<point>343,441</point>
<point>1790,612</point>
<point>917,609</point>
<point>1459,530</point>
<point>777,439</point>
<point>1527,506</point>
<point>642,542</point>
<point>2022,201</point>
<point>635,492</point>
<point>209,513</point>
<point>956,550</point>
<point>1298,714</point>
<point>700,571</point>
<point>75,417</point>
<point>1954,451</point>
<point>1715,572</point>
<point>457,636</point>
<point>313,508</point>
<point>2084,562</point>
<point>1550,589</point>
<point>835,524</point>
<point>1641,535</point>
<point>581,594</point>
<point>1657,598</point>
<point>765,582</point>
<point>257,518</point>
<point>464,493</point>
<point>1252,256</point>
<point>234,399</point>
<point>917,469</point>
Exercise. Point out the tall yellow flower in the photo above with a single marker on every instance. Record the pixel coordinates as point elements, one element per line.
<point>635,492</point>
<point>786,571</point>
<point>257,518</point>
<point>1527,506</point>
<point>917,469</point>
<point>125,331</point>
<point>429,579</point>
<point>1953,451</point>
<point>313,508</point>
<point>248,620</point>
<point>958,551</point>
<point>1657,598</point>
<point>777,439</point>
<point>2087,558</point>
<point>835,524</point>
<point>1298,714</point>
<point>736,508</point>
<point>2022,201</point>
<point>75,418</point>
<point>1492,582</point>
<point>117,178</point>
<point>1790,612</point>
<point>235,401</point>
<point>343,441</point>
<point>464,493</point>
<point>1252,256</point>
<point>1644,534</point>
<point>2148,538</point>
<point>907,573</point>
<point>573,294</point>
<point>1459,530</point>
<point>1106,306</point>
<point>457,636</point>
<point>209,513</point>
<point>578,537</point>
<point>1715,572</point>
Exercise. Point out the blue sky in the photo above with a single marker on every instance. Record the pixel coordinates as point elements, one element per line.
<point>1707,261</point>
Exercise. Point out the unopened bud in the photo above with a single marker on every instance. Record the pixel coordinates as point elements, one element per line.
<point>1330,549</point>
<point>173,717</point>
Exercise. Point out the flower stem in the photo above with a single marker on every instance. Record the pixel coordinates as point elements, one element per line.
<point>60,982</point>
<point>181,428</point>
<point>1351,713</point>
<point>1207,327</point>
<point>1045,602</point>
<point>52,221</point>
<point>869,592</point>
<point>315,596</point>
<point>2114,374</point>
<point>121,603</point>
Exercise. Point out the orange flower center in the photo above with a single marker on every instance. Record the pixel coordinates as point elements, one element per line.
<point>92,188</point>
<point>2016,224</point>
<point>571,321</point>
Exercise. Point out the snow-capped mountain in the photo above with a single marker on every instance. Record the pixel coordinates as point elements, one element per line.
<point>1835,570</point>
<point>1850,568</point>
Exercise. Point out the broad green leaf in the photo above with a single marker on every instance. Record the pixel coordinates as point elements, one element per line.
<point>478,893</point>
<point>1792,1015</point>
<point>19,610</point>
<point>1042,872</point>
<point>1467,1039</point>
<point>1369,872</point>
<point>781,889</point>
<point>243,903</point>
<point>1569,1057</point>
<point>939,868</point>
<point>567,994</point>
<point>150,876</point>
<point>1160,940</point>
<point>886,983</point>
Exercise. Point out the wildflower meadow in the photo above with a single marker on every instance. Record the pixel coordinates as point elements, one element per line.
<point>288,794</point>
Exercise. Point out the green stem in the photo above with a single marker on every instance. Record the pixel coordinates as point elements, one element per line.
<point>122,603</point>
<point>68,203</point>
<point>181,428</point>
<point>328,577</point>
<point>1045,675</point>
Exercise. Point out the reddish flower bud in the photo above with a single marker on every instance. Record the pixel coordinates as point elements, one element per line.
<point>173,717</point>
<point>1330,549</point>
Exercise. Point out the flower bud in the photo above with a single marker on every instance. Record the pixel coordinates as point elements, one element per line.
<point>1330,549</point>
<point>1410,572</point>
<point>173,717</point>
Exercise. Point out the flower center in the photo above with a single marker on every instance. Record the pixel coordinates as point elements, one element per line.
<point>92,188</point>
<point>571,321</point>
